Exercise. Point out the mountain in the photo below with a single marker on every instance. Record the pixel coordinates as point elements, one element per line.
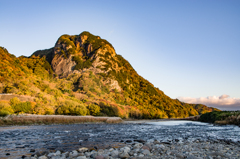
<point>82,74</point>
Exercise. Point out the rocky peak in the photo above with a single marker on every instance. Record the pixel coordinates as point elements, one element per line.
<point>85,46</point>
<point>83,52</point>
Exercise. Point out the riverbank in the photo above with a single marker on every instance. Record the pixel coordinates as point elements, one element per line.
<point>151,150</point>
<point>29,119</point>
<point>220,118</point>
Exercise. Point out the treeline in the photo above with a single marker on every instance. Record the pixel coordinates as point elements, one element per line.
<point>221,117</point>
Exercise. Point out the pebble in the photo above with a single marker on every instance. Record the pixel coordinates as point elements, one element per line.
<point>99,157</point>
<point>32,150</point>
<point>145,152</point>
<point>123,155</point>
<point>43,157</point>
<point>152,150</point>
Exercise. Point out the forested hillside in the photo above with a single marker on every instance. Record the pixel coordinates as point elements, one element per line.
<point>80,75</point>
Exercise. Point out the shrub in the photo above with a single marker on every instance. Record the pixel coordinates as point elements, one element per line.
<point>108,110</point>
<point>135,113</point>
<point>38,109</point>
<point>80,110</point>
<point>5,109</point>
<point>49,111</point>
<point>9,89</point>
<point>63,109</point>
<point>24,107</point>
<point>79,62</point>
<point>4,113</point>
<point>71,108</point>
<point>14,101</point>
<point>71,51</point>
<point>94,109</point>
<point>64,54</point>
<point>219,116</point>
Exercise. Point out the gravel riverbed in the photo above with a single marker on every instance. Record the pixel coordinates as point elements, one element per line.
<point>166,139</point>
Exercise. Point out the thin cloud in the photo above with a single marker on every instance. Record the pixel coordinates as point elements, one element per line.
<point>223,102</point>
<point>224,96</point>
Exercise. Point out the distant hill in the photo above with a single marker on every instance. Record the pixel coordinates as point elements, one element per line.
<point>82,74</point>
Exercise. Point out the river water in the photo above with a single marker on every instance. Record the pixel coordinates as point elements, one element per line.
<point>20,140</point>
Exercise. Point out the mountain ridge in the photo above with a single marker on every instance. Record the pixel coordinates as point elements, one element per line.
<point>86,70</point>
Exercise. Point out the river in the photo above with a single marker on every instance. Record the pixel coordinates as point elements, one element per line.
<point>20,140</point>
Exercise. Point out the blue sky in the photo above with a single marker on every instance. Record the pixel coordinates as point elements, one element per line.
<point>190,49</point>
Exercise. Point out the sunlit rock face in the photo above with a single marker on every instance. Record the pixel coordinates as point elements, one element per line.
<point>85,48</point>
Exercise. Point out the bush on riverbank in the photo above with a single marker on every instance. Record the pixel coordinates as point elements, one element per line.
<point>5,109</point>
<point>222,117</point>
<point>72,108</point>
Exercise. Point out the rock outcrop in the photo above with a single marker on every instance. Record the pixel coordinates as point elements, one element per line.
<point>92,52</point>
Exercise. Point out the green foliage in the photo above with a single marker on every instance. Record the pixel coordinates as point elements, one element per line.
<point>80,110</point>
<point>47,53</point>
<point>64,54</point>
<point>95,41</point>
<point>5,109</point>
<point>4,113</point>
<point>81,64</point>
<point>94,109</point>
<point>71,108</point>
<point>9,89</point>
<point>48,67</point>
<point>107,110</point>
<point>142,93</point>
<point>14,101</point>
<point>69,45</point>
<point>202,109</point>
<point>71,51</point>
<point>68,40</point>
<point>64,86</point>
<point>217,116</point>
<point>24,107</point>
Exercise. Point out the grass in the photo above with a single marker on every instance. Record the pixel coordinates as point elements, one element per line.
<point>54,119</point>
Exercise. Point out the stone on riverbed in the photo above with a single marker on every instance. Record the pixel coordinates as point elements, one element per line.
<point>145,152</point>
<point>83,149</point>
<point>99,157</point>
<point>154,150</point>
<point>81,157</point>
<point>43,157</point>
<point>114,153</point>
<point>74,153</point>
<point>123,155</point>
<point>137,146</point>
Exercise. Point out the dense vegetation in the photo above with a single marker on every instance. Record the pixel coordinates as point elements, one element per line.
<point>85,92</point>
<point>202,109</point>
<point>221,117</point>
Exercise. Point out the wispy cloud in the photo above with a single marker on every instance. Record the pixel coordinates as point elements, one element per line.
<point>224,96</point>
<point>223,102</point>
